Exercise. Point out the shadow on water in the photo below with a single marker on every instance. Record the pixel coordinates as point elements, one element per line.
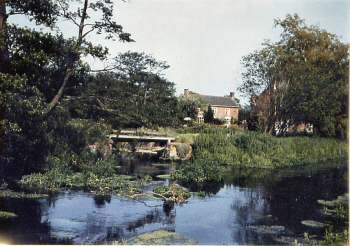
<point>240,210</point>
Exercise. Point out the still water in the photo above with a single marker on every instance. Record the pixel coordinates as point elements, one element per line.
<point>250,207</point>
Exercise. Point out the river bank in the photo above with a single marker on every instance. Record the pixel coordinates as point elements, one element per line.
<point>210,152</point>
<point>216,149</point>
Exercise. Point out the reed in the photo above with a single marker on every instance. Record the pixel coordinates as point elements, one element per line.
<point>215,149</point>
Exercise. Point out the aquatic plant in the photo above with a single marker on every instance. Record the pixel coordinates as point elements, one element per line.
<point>173,193</point>
<point>21,195</point>
<point>158,237</point>
<point>215,149</point>
<point>198,172</point>
<point>7,215</point>
<point>51,182</point>
<point>252,149</point>
<point>336,212</point>
<point>335,238</point>
<point>313,223</point>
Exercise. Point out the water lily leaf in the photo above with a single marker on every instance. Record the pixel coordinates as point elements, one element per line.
<point>313,223</point>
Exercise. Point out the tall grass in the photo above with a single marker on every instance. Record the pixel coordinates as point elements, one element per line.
<point>252,149</point>
<point>215,149</point>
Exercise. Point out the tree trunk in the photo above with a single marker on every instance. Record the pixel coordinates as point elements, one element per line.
<point>72,62</point>
<point>4,55</point>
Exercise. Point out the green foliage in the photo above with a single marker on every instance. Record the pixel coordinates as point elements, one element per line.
<point>159,237</point>
<point>198,173</point>
<point>24,130</point>
<point>209,115</point>
<point>301,78</point>
<point>37,66</point>
<point>216,149</point>
<point>77,134</point>
<point>96,181</point>
<point>135,96</point>
<point>189,105</point>
<point>336,215</point>
<point>7,215</point>
<point>42,11</point>
<point>172,193</point>
<point>21,195</point>
<point>335,238</point>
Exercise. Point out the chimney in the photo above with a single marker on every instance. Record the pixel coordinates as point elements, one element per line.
<point>186,92</point>
<point>232,95</point>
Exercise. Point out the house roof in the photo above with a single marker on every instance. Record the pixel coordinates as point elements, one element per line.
<point>219,101</point>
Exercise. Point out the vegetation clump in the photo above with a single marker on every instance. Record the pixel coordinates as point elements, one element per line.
<point>21,195</point>
<point>173,193</point>
<point>159,237</point>
<point>215,149</point>
<point>7,215</point>
<point>51,182</point>
<point>336,212</point>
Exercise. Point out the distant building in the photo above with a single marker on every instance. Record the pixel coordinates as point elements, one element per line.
<point>225,108</point>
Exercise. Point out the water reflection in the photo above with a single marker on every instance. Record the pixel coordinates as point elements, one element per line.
<point>247,198</point>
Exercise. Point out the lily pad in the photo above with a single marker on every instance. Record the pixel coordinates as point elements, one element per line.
<point>313,223</point>
<point>7,215</point>
<point>163,176</point>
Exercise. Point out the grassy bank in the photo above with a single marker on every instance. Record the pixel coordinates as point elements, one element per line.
<point>214,149</point>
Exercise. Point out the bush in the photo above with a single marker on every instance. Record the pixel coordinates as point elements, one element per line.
<point>198,172</point>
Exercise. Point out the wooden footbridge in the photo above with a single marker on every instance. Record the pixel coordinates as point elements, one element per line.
<point>132,136</point>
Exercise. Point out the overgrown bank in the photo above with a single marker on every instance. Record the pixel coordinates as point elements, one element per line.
<point>215,149</point>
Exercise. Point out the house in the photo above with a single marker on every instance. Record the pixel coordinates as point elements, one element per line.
<point>225,108</point>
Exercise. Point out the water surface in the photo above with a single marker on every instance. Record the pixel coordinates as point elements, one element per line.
<point>231,213</point>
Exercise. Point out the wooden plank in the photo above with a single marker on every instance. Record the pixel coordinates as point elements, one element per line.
<point>142,138</point>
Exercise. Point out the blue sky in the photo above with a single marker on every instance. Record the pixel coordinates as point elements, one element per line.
<point>204,40</point>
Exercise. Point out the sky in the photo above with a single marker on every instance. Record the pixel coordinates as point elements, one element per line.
<point>204,41</point>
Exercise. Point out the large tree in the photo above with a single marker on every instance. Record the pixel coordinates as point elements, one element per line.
<point>38,67</point>
<point>302,78</point>
<point>134,94</point>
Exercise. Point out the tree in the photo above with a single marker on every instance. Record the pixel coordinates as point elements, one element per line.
<point>135,94</point>
<point>209,115</point>
<point>81,17</point>
<point>37,60</point>
<point>37,67</point>
<point>300,79</point>
<point>188,108</point>
<point>41,11</point>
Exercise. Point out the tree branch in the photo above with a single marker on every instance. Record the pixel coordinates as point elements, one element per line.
<point>71,63</point>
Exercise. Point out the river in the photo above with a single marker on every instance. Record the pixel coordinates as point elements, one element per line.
<point>249,207</point>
